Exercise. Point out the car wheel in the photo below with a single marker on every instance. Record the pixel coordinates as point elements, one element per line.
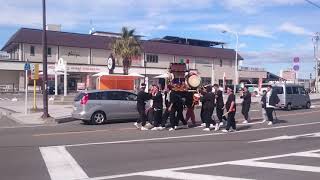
<point>98,118</point>
<point>289,107</point>
<point>308,105</point>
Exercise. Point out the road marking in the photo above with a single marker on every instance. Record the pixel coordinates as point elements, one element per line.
<point>255,110</point>
<point>82,132</point>
<point>247,162</point>
<point>308,154</point>
<point>186,176</point>
<point>287,137</point>
<point>278,166</point>
<point>187,136</point>
<point>73,132</point>
<point>60,164</point>
<point>30,126</point>
<point>123,129</point>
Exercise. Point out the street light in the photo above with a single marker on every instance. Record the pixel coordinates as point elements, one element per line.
<point>315,40</point>
<point>236,58</point>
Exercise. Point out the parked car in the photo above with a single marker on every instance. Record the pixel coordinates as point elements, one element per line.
<point>292,96</point>
<point>98,107</point>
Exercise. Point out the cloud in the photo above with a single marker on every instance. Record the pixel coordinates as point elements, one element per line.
<point>254,6</point>
<point>293,29</point>
<point>257,31</point>
<point>219,27</point>
<point>105,15</point>
<point>242,45</point>
<point>278,56</point>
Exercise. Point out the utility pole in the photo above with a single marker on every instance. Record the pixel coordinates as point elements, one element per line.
<point>315,40</point>
<point>44,63</point>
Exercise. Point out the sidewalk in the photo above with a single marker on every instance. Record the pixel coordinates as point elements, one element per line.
<point>15,110</point>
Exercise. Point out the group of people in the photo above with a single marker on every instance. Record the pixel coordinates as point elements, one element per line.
<point>170,104</point>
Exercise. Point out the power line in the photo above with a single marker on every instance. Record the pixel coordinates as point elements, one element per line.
<point>312,3</point>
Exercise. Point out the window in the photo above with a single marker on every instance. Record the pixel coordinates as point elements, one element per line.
<point>228,82</point>
<point>116,95</point>
<point>205,80</point>
<point>95,96</point>
<point>220,62</point>
<point>289,90</point>
<point>295,90</point>
<point>152,58</point>
<point>278,90</point>
<point>79,97</point>
<point>49,51</point>
<point>32,50</point>
<point>302,90</point>
<point>132,97</point>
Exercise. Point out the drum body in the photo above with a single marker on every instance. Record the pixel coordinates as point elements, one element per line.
<point>193,81</point>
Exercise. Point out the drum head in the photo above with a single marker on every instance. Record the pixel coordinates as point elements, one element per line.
<point>194,81</point>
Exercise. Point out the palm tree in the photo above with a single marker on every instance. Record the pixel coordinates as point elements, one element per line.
<point>126,48</point>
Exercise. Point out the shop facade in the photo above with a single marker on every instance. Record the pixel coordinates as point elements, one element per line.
<point>87,54</point>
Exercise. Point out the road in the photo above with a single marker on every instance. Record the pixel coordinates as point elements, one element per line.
<point>289,150</point>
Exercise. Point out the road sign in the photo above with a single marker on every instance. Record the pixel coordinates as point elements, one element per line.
<point>296,67</point>
<point>35,71</point>
<point>27,66</point>
<point>296,64</point>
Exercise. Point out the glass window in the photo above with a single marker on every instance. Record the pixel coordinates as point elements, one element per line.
<point>79,97</point>
<point>302,90</point>
<point>278,90</point>
<point>116,95</point>
<point>132,97</point>
<point>49,51</point>
<point>152,58</point>
<point>92,96</point>
<point>289,90</point>
<point>105,95</point>
<point>295,90</point>
<point>95,96</point>
<point>32,50</point>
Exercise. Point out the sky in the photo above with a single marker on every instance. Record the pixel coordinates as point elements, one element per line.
<point>271,32</point>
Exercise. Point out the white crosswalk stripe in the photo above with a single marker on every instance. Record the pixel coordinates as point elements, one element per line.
<point>61,165</point>
<point>186,176</point>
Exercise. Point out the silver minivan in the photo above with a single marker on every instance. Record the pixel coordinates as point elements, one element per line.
<point>292,96</point>
<point>97,107</point>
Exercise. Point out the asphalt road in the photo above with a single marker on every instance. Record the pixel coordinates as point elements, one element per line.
<point>289,149</point>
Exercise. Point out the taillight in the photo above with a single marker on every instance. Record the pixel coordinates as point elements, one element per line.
<point>84,99</point>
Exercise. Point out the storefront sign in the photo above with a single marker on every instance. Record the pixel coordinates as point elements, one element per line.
<point>73,53</point>
<point>81,86</point>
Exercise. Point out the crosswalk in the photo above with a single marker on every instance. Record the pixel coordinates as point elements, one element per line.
<point>62,166</point>
<point>181,173</point>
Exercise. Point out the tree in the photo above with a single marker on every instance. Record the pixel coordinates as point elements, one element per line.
<point>126,48</point>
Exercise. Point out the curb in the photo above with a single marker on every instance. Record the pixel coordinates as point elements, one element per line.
<point>65,120</point>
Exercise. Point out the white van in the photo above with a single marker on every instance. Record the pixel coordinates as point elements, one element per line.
<point>292,96</point>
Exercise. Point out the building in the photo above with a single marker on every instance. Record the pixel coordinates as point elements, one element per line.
<point>288,74</point>
<point>86,54</point>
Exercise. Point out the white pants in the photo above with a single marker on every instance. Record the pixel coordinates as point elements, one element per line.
<point>264,114</point>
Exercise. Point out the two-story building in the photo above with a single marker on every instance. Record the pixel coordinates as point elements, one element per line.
<point>86,54</point>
